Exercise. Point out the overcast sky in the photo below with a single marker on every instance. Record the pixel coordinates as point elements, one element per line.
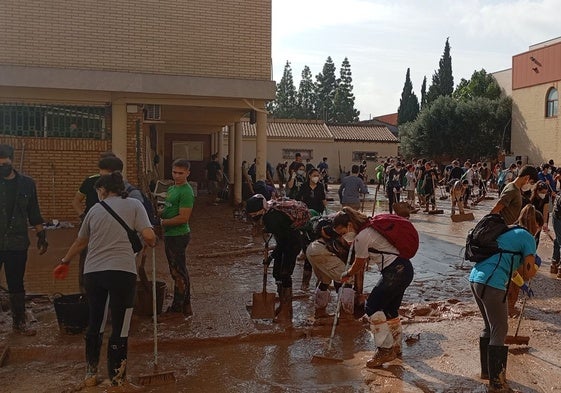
<point>384,38</point>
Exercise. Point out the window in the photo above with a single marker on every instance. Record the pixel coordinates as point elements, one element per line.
<point>288,154</point>
<point>552,107</point>
<point>152,112</point>
<point>365,155</point>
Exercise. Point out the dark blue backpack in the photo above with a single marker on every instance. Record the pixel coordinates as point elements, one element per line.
<point>147,203</point>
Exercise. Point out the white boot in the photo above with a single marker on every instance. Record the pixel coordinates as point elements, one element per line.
<point>383,338</point>
<point>397,334</point>
<point>348,302</point>
<point>321,300</point>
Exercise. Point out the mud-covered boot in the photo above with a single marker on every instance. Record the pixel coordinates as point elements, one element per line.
<point>483,356</point>
<point>383,339</point>
<point>554,268</point>
<point>497,355</point>
<point>117,360</point>
<point>93,348</point>
<point>19,324</point>
<point>306,277</point>
<point>321,300</point>
<point>284,312</point>
<point>397,333</point>
<point>347,303</point>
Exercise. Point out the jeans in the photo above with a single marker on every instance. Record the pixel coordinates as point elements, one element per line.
<point>14,268</point>
<point>387,294</point>
<point>285,253</point>
<point>557,229</point>
<point>175,253</point>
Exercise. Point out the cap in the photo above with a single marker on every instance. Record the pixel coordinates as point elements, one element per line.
<point>255,203</point>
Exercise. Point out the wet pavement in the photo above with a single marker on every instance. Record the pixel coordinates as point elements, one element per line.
<point>221,349</point>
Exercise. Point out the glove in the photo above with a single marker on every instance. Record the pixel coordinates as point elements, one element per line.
<point>527,290</point>
<point>61,271</point>
<point>538,260</point>
<point>42,244</point>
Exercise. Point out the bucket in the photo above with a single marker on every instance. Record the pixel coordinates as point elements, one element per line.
<point>72,312</point>
<point>143,303</point>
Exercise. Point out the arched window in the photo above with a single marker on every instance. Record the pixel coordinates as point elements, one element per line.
<point>552,107</point>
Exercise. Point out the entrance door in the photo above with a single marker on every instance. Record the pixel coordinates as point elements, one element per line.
<point>193,147</point>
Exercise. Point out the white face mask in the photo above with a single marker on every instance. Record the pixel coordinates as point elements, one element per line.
<point>301,173</point>
<point>542,196</point>
<point>315,179</point>
<point>527,187</point>
<point>349,237</point>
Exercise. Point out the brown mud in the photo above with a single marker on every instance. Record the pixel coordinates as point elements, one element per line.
<point>221,349</point>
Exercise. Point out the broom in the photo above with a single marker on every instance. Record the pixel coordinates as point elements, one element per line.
<point>157,377</point>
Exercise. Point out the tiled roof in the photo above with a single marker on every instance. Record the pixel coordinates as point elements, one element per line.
<point>365,133</point>
<point>290,129</point>
<point>390,118</point>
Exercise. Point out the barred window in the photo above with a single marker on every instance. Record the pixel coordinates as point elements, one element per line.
<point>365,156</point>
<point>288,154</point>
<point>55,121</point>
<point>552,105</point>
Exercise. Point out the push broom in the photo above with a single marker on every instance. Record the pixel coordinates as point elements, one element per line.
<point>157,377</point>
<point>516,339</point>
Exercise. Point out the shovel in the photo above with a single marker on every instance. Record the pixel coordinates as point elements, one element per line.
<point>516,339</point>
<point>264,303</point>
<point>462,217</point>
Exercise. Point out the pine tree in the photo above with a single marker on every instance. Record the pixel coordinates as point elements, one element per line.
<point>408,104</point>
<point>285,102</point>
<point>442,80</point>
<point>424,92</point>
<point>344,99</point>
<point>306,97</point>
<point>326,83</point>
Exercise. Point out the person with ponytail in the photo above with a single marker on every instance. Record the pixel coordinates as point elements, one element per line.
<point>109,272</point>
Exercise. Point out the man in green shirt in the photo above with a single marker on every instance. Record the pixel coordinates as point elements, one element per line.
<point>175,223</point>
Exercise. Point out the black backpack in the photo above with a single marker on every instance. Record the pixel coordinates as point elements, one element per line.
<point>481,241</point>
<point>147,203</point>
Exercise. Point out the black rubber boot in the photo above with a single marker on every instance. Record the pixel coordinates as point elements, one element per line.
<point>117,360</point>
<point>483,349</point>
<point>284,312</point>
<point>19,324</point>
<point>497,355</point>
<point>93,348</point>
<point>306,277</point>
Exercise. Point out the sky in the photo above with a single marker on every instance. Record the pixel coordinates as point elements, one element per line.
<point>382,39</point>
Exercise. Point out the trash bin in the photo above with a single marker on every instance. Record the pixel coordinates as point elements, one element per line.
<point>72,312</point>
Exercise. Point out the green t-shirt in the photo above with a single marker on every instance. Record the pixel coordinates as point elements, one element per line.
<point>177,197</point>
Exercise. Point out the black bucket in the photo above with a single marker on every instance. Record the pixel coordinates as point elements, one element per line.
<point>143,303</point>
<point>72,312</point>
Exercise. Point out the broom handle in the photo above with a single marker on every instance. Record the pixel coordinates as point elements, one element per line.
<point>154,307</point>
<point>521,312</point>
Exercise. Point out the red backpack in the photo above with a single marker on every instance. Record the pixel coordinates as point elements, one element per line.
<point>398,231</point>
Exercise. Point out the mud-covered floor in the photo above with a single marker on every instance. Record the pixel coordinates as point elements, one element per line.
<point>221,349</point>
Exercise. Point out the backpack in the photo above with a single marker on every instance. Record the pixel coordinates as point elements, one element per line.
<point>502,177</point>
<point>147,203</point>
<point>481,241</point>
<point>297,211</point>
<point>398,231</point>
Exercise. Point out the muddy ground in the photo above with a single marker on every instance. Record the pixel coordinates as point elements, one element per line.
<point>221,349</point>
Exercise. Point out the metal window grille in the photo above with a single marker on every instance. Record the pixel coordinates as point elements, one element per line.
<point>365,155</point>
<point>153,112</point>
<point>54,121</point>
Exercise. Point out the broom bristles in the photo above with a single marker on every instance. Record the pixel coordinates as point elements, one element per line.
<point>161,378</point>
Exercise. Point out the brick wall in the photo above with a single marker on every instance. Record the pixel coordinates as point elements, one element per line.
<point>58,166</point>
<point>212,38</point>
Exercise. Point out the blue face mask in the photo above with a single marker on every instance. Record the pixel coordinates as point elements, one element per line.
<point>6,170</point>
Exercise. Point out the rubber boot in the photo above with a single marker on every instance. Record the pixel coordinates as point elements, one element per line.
<point>347,303</point>
<point>496,358</point>
<point>93,348</point>
<point>483,356</point>
<point>117,360</point>
<point>321,300</point>
<point>397,333</point>
<point>306,277</point>
<point>383,339</point>
<point>284,312</point>
<point>19,324</point>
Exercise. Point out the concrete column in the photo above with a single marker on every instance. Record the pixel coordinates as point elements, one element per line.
<point>261,146</point>
<point>220,142</point>
<point>237,164</point>
<point>212,143</point>
<point>231,149</point>
<point>119,132</point>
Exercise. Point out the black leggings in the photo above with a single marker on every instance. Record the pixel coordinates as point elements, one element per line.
<point>112,290</point>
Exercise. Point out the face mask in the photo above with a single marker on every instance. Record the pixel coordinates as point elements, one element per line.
<point>301,173</point>
<point>549,171</point>
<point>542,196</point>
<point>315,179</point>
<point>5,170</point>
<point>349,237</point>
<point>527,187</point>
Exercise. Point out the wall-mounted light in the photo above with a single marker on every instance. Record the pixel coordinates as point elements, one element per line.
<point>536,70</point>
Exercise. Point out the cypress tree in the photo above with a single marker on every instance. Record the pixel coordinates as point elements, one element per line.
<point>344,100</point>
<point>285,102</point>
<point>408,104</point>
<point>306,97</point>
<point>326,83</point>
<point>442,79</point>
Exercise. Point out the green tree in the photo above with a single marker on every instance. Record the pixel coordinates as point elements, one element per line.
<point>284,105</point>
<point>306,97</point>
<point>481,84</point>
<point>326,83</point>
<point>424,92</point>
<point>344,99</point>
<point>442,79</point>
<point>408,104</point>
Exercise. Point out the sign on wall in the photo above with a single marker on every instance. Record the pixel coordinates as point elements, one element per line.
<point>190,150</point>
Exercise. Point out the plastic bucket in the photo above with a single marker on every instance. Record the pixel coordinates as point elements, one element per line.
<point>143,303</point>
<point>72,312</point>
